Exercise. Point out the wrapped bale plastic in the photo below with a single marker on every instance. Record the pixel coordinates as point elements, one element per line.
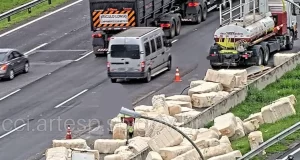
<point>153,128</point>
<point>150,114</point>
<point>228,80</point>
<point>159,104</point>
<point>207,134</point>
<point>216,130</point>
<point>174,109</point>
<point>169,153</point>
<point>280,58</point>
<point>183,98</point>
<point>251,126</point>
<point>239,131</point>
<point>186,109</point>
<point>70,143</point>
<point>190,132</point>
<point>181,103</point>
<point>291,97</point>
<point>228,156</point>
<point>239,73</point>
<point>108,146</point>
<point>137,145</point>
<point>226,124</point>
<point>216,150</point>
<point>121,149</point>
<point>120,131</point>
<point>255,139</point>
<point>207,99</point>
<point>113,122</point>
<point>173,138</point>
<point>57,153</point>
<point>120,156</point>
<point>139,127</point>
<point>205,143</point>
<point>225,139</point>
<point>153,156</point>
<point>145,139</point>
<point>186,116</point>
<point>208,87</point>
<point>196,83</point>
<point>143,108</point>
<point>257,116</point>
<point>189,155</point>
<point>95,152</point>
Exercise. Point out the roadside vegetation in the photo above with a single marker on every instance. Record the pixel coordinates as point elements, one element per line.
<point>287,85</point>
<point>6,5</point>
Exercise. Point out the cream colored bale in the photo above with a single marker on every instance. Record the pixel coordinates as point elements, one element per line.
<point>216,130</point>
<point>213,142</point>
<point>257,116</point>
<point>153,128</point>
<point>177,124</point>
<point>291,97</point>
<point>153,156</point>
<point>186,116</point>
<point>280,58</point>
<point>181,103</point>
<point>196,83</point>
<point>203,130</point>
<point>228,156</point>
<point>169,153</point>
<point>113,122</point>
<point>120,156</point>
<point>159,104</point>
<point>185,142</point>
<point>151,114</point>
<point>251,126</point>
<point>145,139</point>
<point>167,137</point>
<point>143,108</point>
<point>208,99</point>
<point>207,134</point>
<point>190,132</point>
<point>121,149</point>
<point>227,79</point>
<point>120,131</point>
<point>226,124</point>
<point>216,150</point>
<point>189,155</point>
<point>174,109</point>
<point>95,152</point>
<point>201,143</point>
<point>186,109</point>
<point>239,131</point>
<point>225,139</point>
<point>238,82</point>
<point>242,73</point>
<point>184,98</point>
<point>57,153</point>
<point>70,143</point>
<point>255,139</point>
<point>139,127</point>
<point>208,87</point>
<point>126,154</point>
<point>108,146</point>
<point>137,145</point>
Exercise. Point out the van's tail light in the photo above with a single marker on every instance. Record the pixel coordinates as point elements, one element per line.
<point>96,35</point>
<point>165,25</point>
<point>4,67</point>
<point>108,66</point>
<point>193,4</point>
<point>143,66</point>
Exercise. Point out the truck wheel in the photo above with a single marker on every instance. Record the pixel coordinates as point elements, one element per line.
<point>199,17</point>
<point>204,12</point>
<point>266,56</point>
<point>290,44</point>
<point>260,58</point>
<point>172,30</point>
<point>178,28</point>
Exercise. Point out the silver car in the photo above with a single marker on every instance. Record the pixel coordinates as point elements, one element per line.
<point>12,62</point>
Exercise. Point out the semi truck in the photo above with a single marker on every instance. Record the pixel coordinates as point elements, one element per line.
<point>109,17</point>
<point>249,37</point>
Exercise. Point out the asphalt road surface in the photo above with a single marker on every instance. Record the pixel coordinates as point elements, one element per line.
<point>295,152</point>
<point>38,109</point>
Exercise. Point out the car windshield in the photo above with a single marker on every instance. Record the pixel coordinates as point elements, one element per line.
<point>2,56</point>
<point>125,51</point>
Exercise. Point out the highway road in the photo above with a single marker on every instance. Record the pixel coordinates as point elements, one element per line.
<point>295,152</point>
<point>74,80</point>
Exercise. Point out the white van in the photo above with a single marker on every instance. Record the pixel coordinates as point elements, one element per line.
<point>138,53</point>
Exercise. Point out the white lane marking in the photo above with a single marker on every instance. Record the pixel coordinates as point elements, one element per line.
<point>36,48</point>
<point>78,94</point>
<point>84,56</point>
<point>8,133</point>
<point>212,8</point>
<point>295,151</point>
<point>143,97</point>
<point>175,40</point>
<point>47,15</point>
<point>10,94</point>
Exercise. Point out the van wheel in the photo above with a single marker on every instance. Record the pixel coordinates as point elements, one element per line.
<point>169,65</point>
<point>113,80</point>
<point>204,12</point>
<point>148,78</point>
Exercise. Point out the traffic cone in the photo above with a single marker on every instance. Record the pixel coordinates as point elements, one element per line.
<point>177,76</point>
<point>69,134</point>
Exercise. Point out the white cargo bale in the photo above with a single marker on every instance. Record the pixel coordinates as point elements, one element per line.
<point>239,131</point>
<point>143,108</point>
<point>203,130</point>
<point>113,122</point>
<point>186,109</point>
<point>150,114</point>
<point>216,150</point>
<point>121,149</point>
<point>208,87</point>
<point>137,145</point>
<point>173,138</point>
<point>225,139</point>
<point>139,127</point>
<point>242,73</point>
<point>196,83</point>
<point>280,58</point>
<point>257,116</point>
<point>70,143</point>
<point>226,124</point>
<point>169,153</point>
<point>228,156</point>
<point>208,99</point>
<point>57,153</point>
<point>108,146</point>
<point>159,104</point>
<point>190,132</point>
<point>213,142</point>
<point>189,155</point>
<point>185,142</point>
<point>251,126</point>
<point>120,156</point>
<point>88,152</point>
<point>238,82</point>
<point>181,103</point>
<point>207,134</point>
<point>120,131</point>
<point>183,98</point>
<point>177,124</point>
<point>255,139</point>
<point>174,109</point>
<point>153,128</point>
<point>153,156</point>
<point>186,116</point>
<point>228,80</point>
<point>291,97</point>
<point>216,130</point>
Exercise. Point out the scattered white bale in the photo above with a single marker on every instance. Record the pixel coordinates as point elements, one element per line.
<point>143,108</point>
<point>207,134</point>
<point>257,116</point>
<point>255,139</point>
<point>120,131</point>
<point>184,98</point>
<point>125,155</point>
<point>186,116</point>
<point>228,156</point>
<point>207,99</point>
<point>70,143</point>
<point>173,138</point>
<point>153,128</point>
<point>227,79</point>
<point>239,131</point>
<point>181,103</point>
<point>208,87</point>
<point>121,149</point>
<point>250,126</point>
<point>95,152</point>
<point>174,109</point>
<point>159,104</point>
<point>189,155</point>
<point>113,122</point>
<point>57,153</point>
<point>291,97</point>
<point>169,153</point>
<point>196,83</point>
<point>241,75</point>
<point>139,127</point>
<point>150,114</point>
<point>277,110</point>
<point>214,129</point>
<point>136,145</point>
<point>213,142</point>
<point>190,132</point>
<point>226,124</point>
<point>108,146</point>
<point>146,139</point>
<point>153,156</point>
<point>225,139</point>
<point>177,124</point>
<point>280,58</point>
<point>216,150</point>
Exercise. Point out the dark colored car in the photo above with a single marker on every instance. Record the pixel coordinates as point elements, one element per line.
<point>12,62</point>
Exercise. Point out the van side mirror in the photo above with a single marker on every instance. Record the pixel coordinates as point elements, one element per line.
<point>168,43</point>
<point>295,9</point>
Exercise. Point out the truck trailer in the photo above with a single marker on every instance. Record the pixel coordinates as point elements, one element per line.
<point>248,38</point>
<point>109,17</point>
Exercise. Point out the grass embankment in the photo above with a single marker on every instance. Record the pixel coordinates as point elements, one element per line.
<point>21,16</point>
<point>287,85</point>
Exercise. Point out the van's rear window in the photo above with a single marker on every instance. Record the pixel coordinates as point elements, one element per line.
<point>125,51</point>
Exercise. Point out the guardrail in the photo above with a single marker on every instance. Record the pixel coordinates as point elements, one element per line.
<point>271,141</point>
<point>23,7</point>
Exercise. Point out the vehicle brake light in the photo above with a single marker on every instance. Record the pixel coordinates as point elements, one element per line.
<point>165,25</point>
<point>246,56</point>
<point>108,66</point>
<point>4,67</point>
<point>108,38</point>
<point>193,4</point>
<point>96,35</point>
<point>143,66</point>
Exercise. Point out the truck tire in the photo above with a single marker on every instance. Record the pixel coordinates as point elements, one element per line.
<point>172,30</point>
<point>290,42</point>
<point>204,12</point>
<point>260,57</point>
<point>199,17</point>
<point>266,56</point>
<point>178,28</point>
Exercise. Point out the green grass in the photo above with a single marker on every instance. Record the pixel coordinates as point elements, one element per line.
<point>287,85</point>
<point>24,15</point>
